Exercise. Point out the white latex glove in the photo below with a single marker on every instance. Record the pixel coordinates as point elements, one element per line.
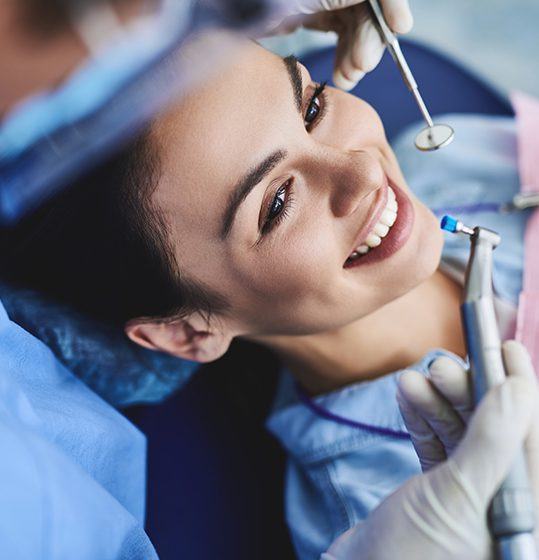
<point>441,514</point>
<point>359,47</point>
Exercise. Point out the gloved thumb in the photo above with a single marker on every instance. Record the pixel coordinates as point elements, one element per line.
<point>494,437</point>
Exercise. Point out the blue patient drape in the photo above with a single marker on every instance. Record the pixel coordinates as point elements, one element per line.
<point>72,469</point>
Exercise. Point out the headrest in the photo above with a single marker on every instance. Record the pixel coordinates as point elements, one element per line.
<point>119,370</point>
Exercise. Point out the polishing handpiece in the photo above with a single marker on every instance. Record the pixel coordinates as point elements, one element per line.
<point>511,512</point>
<point>434,136</point>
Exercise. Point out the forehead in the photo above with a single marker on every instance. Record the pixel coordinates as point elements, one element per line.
<point>228,111</point>
<point>209,140</point>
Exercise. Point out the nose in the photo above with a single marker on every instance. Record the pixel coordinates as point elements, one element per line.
<point>352,176</point>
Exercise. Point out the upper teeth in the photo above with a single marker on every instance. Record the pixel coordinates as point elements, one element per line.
<point>381,228</point>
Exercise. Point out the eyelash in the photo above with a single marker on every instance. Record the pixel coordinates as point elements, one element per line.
<point>318,94</point>
<point>286,204</point>
<point>286,188</point>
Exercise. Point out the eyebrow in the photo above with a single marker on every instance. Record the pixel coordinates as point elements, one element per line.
<point>256,174</point>
<point>246,185</point>
<point>292,66</point>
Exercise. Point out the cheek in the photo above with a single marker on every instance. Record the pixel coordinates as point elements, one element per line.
<point>371,288</point>
<point>429,242</point>
<point>298,286</point>
<point>356,122</point>
<point>290,278</point>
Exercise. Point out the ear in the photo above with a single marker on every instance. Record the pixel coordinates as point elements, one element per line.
<point>192,338</point>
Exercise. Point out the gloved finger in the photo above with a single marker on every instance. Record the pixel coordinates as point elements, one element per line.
<point>454,383</point>
<point>518,364</point>
<point>517,361</point>
<point>396,12</point>
<point>360,52</point>
<point>345,76</point>
<point>495,434</point>
<point>398,15</point>
<point>433,408</point>
<point>430,450</point>
<point>364,46</point>
<point>315,6</point>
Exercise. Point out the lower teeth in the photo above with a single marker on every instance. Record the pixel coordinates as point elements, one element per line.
<point>355,255</point>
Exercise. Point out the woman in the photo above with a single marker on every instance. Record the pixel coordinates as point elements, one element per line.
<point>270,208</point>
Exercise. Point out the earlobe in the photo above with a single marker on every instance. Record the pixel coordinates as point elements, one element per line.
<point>187,338</point>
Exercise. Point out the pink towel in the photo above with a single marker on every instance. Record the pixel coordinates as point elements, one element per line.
<point>527,113</point>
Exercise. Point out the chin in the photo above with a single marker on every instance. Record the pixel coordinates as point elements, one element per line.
<point>420,258</point>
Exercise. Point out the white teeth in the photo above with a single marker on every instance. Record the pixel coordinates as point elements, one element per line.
<point>381,230</point>
<point>392,204</point>
<point>373,240</point>
<point>388,217</point>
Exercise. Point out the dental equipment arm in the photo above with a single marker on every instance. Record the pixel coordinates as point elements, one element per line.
<point>511,515</point>
<point>441,514</point>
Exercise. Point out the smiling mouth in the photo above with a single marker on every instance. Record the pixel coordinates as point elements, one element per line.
<point>390,232</point>
<point>381,229</point>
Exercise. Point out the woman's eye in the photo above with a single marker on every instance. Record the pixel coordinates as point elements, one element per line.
<point>278,207</point>
<point>316,107</point>
<point>312,112</point>
<point>278,203</point>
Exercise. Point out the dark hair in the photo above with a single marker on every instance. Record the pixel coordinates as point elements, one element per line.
<point>102,246</point>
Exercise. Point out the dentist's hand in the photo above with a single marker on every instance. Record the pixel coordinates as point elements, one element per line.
<point>359,47</point>
<point>442,513</point>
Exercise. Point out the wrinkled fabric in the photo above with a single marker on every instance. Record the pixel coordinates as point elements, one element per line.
<point>72,469</point>
<point>349,449</point>
<point>120,371</point>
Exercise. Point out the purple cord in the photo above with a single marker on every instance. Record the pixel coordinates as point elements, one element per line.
<point>320,411</point>
<point>469,209</point>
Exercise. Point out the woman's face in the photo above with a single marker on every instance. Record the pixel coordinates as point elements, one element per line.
<point>269,187</point>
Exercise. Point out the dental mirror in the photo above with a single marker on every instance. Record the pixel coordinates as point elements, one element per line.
<point>434,137</point>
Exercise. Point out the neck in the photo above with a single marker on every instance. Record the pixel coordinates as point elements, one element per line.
<point>392,338</point>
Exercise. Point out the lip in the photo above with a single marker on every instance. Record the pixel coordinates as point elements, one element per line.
<point>398,234</point>
<point>379,207</point>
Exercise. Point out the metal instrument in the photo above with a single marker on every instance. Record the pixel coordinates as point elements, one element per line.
<point>433,136</point>
<point>510,515</point>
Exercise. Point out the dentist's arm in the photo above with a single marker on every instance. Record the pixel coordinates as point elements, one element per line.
<point>441,514</point>
<point>359,46</point>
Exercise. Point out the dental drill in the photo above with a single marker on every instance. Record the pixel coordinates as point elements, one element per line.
<point>510,515</point>
<point>433,136</point>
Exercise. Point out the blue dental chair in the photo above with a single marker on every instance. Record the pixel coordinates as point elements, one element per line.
<point>215,476</point>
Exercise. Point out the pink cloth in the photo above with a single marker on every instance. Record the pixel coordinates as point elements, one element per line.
<point>527,113</point>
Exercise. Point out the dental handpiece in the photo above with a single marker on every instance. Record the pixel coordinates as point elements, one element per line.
<point>434,136</point>
<point>510,515</point>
